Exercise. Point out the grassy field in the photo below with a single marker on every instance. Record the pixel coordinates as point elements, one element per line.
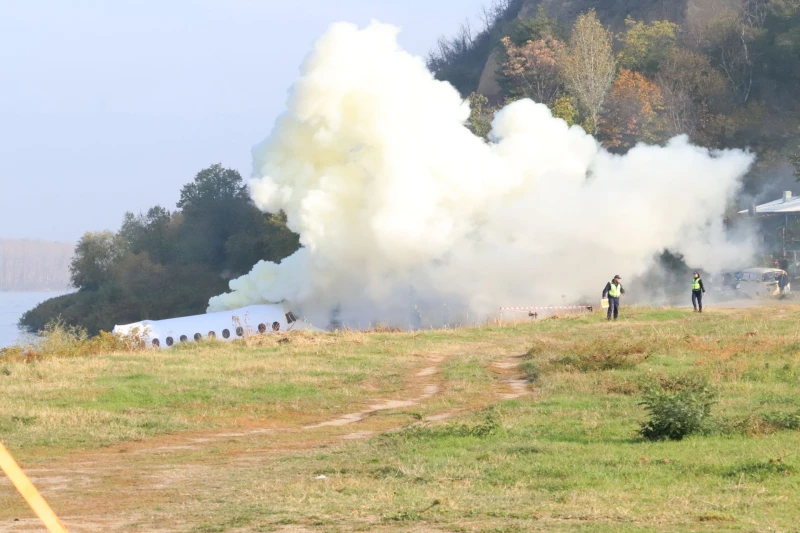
<point>426,431</point>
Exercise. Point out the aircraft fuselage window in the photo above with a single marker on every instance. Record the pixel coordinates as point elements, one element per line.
<point>276,326</point>
<point>197,336</point>
<point>240,331</point>
<point>184,338</point>
<point>156,343</point>
<point>226,334</point>
<point>262,328</point>
<point>170,341</point>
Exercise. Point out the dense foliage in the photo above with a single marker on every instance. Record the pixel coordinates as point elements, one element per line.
<point>163,264</point>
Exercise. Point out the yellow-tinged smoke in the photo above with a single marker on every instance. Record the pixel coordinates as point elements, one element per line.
<point>398,205</point>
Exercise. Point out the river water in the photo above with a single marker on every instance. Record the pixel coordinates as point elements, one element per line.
<point>12,306</point>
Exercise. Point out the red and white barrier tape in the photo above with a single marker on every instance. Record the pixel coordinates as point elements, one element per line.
<point>546,307</point>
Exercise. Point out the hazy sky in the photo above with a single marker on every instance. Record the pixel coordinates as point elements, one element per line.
<point>111,106</point>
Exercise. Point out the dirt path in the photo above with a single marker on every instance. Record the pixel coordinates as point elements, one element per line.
<point>510,376</point>
<point>122,488</point>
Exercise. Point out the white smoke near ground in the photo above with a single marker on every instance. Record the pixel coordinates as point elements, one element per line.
<point>398,205</point>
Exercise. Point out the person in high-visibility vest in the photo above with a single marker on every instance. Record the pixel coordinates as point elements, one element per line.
<point>613,292</point>
<point>697,293</point>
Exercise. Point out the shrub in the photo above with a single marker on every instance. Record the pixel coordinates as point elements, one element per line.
<point>677,407</point>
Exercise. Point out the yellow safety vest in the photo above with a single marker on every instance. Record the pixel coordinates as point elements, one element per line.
<point>615,291</point>
<point>696,284</point>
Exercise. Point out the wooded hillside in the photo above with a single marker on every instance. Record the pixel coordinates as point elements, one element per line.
<point>724,72</point>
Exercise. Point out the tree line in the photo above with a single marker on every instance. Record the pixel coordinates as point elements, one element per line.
<point>34,265</point>
<point>162,264</point>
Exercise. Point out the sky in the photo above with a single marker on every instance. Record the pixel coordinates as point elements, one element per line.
<point>107,107</point>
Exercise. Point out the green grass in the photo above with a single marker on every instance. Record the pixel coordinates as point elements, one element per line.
<point>83,402</point>
<point>567,457</point>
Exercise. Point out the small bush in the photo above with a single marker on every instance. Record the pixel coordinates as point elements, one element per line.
<point>678,407</point>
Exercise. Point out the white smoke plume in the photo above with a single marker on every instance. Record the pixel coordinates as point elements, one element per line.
<point>398,205</point>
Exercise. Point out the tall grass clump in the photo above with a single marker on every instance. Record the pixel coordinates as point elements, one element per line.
<point>487,425</point>
<point>59,339</point>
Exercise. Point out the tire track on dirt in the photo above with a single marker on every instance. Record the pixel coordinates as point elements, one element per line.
<point>116,489</point>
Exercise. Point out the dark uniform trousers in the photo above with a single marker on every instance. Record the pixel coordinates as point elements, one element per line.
<point>613,306</point>
<point>697,299</point>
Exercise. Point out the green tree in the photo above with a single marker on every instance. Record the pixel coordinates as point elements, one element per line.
<point>149,233</point>
<point>564,108</point>
<point>215,206</point>
<point>162,264</point>
<point>645,46</point>
<point>267,238</point>
<point>210,187</point>
<point>541,26</point>
<point>480,116</point>
<point>95,254</point>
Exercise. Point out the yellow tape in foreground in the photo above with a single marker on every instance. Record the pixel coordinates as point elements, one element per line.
<point>29,492</point>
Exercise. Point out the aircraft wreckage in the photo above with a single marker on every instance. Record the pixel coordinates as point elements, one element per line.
<point>223,325</point>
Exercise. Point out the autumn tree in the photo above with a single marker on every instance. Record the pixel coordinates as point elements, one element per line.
<point>533,69</point>
<point>645,46</point>
<point>589,66</point>
<point>631,111</point>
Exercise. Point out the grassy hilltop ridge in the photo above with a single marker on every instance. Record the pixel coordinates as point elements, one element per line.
<point>427,431</point>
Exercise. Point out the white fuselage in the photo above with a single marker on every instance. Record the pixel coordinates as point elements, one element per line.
<point>223,325</point>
